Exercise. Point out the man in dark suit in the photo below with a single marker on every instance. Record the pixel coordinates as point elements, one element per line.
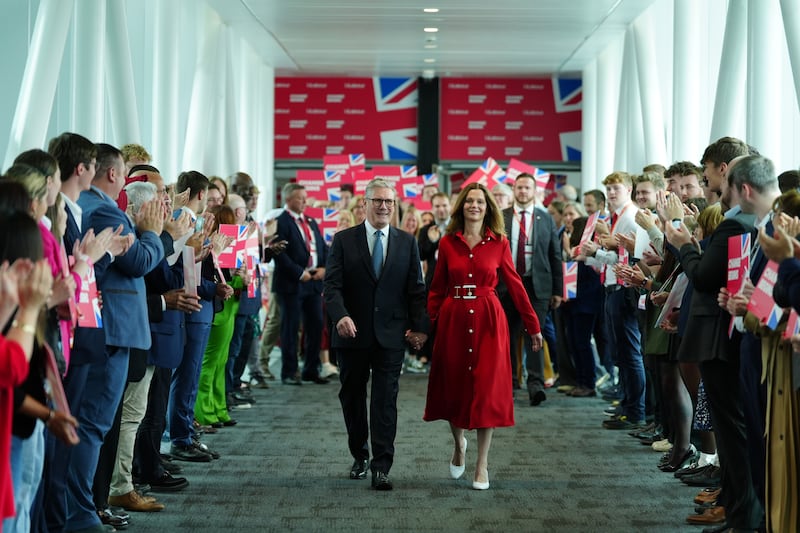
<point>375,297</point>
<point>535,247</point>
<point>297,284</point>
<point>98,371</point>
<point>712,347</point>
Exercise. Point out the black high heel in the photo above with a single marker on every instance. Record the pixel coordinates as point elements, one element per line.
<point>675,465</point>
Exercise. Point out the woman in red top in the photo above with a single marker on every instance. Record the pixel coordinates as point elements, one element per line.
<point>24,286</point>
<point>470,376</point>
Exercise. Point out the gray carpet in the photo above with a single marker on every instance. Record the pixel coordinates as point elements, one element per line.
<point>285,467</point>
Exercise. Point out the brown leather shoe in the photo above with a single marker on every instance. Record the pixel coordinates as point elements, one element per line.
<point>133,501</point>
<point>706,496</point>
<point>712,515</point>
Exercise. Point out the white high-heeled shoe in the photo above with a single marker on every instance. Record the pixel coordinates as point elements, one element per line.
<point>458,471</point>
<point>481,485</point>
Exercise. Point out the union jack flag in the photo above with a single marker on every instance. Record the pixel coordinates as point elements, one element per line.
<point>330,215</point>
<point>542,178</point>
<point>410,190</point>
<point>408,171</point>
<point>570,280</point>
<point>430,179</point>
<point>334,194</point>
<point>792,325</point>
<point>357,160</point>
<point>494,172</point>
<point>774,317</point>
<point>568,93</point>
<point>395,93</point>
<point>327,233</point>
<point>333,176</point>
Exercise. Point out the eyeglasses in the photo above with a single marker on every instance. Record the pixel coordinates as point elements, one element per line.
<point>376,202</point>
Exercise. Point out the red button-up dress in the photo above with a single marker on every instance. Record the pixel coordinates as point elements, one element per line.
<point>470,376</point>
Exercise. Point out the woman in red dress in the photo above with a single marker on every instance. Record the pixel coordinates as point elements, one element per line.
<point>470,376</point>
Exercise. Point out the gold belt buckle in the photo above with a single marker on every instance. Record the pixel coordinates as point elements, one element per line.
<point>469,295</point>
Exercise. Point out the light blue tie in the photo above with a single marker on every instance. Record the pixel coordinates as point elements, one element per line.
<point>377,254</point>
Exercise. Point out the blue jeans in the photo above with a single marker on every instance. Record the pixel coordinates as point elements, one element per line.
<point>185,379</point>
<point>625,339</point>
<point>27,460</point>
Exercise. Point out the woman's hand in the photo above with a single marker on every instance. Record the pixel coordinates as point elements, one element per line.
<point>537,341</point>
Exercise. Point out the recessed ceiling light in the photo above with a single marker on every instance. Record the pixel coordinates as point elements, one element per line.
<point>431,10</point>
<point>431,30</point>
<point>430,46</point>
<point>429,60</point>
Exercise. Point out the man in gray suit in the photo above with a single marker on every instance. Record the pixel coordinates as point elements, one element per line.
<point>535,248</point>
<point>375,298</point>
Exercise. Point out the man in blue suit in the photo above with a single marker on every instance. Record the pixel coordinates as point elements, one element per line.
<point>98,369</point>
<point>297,283</point>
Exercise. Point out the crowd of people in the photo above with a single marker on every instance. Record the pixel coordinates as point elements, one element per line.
<point>474,292</point>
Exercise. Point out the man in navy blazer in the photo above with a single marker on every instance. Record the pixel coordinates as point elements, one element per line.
<point>297,284</point>
<point>374,314</point>
<point>98,370</point>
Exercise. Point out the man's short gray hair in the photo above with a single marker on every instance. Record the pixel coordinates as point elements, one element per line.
<point>139,192</point>
<point>378,183</point>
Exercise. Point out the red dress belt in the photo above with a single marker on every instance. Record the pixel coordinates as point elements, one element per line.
<point>469,292</point>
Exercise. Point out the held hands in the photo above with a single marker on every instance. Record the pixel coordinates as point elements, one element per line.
<point>537,342</point>
<point>416,339</point>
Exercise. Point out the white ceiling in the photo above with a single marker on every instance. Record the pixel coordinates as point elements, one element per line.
<point>386,37</point>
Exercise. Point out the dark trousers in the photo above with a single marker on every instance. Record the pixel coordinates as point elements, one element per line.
<point>723,391</point>
<point>354,372</point>
<point>244,330</point>
<point>754,403</point>
<point>563,354</point>
<point>305,304</point>
<point>579,340</point>
<point>147,450</point>
<point>101,485</point>
<point>185,379</point>
<point>534,361</point>
<point>623,326</point>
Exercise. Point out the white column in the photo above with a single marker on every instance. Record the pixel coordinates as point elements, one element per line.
<point>728,118</point>
<point>201,105</point>
<point>609,64</point>
<point>88,89</point>
<point>266,137</point>
<point>655,149</point>
<point>628,98</point>
<point>589,127</point>
<point>763,88</point>
<point>231,132</point>
<point>165,115</point>
<point>687,140</point>
<point>119,78</point>
<point>790,11</point>
<point>39,81</point>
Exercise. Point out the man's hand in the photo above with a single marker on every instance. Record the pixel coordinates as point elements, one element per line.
<point>306,276</point>
<point>178,300</point>
<point>220,242</point>
<point>627,241</point>
<point>150,217</point>
<point>180,199</point>
<point>180,226</point>
<point>651,258</point>
<point>677,236</point>
<point>319,274</point>
<point>555,301</point>
<point>644,219</point>
<point>346,328</point>
<point>589,248</point>
<point>658,297</point>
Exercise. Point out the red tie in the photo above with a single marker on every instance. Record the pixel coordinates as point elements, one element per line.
<point>521,241</point>
<point>307,233</point>
<point>613,221</point>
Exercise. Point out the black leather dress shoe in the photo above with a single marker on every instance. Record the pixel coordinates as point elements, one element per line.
<point>710,477</point>
<point>318,380</point>
<point>380,481</point>
<point>291,381</point>
<point>359,469</point>
<point>167,483</point>
<point>538,397</point>
<point>108,517</point>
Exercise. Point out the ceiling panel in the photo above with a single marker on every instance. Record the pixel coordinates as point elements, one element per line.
<point>386,37</point>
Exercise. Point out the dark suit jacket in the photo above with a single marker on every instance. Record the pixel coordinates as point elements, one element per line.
<point>125,321</point>
<point>707,326</point>
<point>427,252</point>
<point>546,272</point>
<point>290,264</point>
<point>382,309</point>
